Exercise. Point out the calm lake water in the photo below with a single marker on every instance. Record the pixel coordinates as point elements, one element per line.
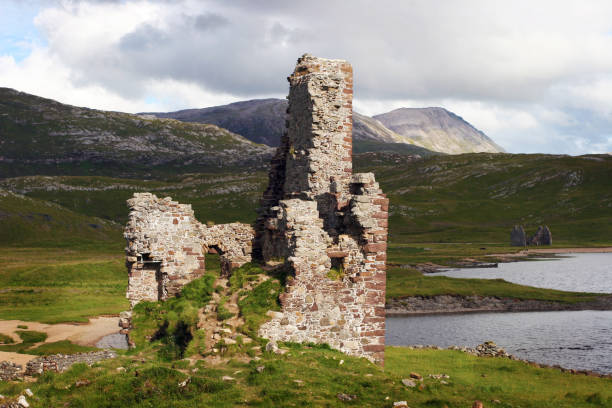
<point>575,339</point>
<point>573,272</point>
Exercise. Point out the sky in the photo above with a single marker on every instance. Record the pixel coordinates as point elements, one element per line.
<point>535,76</point>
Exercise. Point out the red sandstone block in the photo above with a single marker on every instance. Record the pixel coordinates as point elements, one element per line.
<point>348,170</point>
<point>373,319</point>
<point>348,91</point>
<point>380,201</point>
<point>381,257</point>
<point>374,348</point>
<point>380,312</point>
<point>381,215</point>
<point>383,223</point>
<point>175,221</point>
<point>332,253</point>
<point>375,247</point>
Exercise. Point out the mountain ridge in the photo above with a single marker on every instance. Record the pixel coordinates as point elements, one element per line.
<point>438,129</point>
<point>263,121</point>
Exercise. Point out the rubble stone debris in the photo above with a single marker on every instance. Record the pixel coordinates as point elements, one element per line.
<point>325,225</point>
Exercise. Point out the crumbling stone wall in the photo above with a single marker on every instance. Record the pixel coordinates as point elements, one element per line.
<point>62,362</point>
<point>517,236</point>
<point>543,236</point>
<point>328,224</point>
<point>233,242</point>
<point>166,247</point>
<point>10,371</point>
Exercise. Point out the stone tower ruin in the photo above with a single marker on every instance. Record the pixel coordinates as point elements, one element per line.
<point>324,224</point>
<point>329,224</point>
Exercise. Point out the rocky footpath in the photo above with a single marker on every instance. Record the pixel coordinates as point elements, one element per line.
<point>415,305</point>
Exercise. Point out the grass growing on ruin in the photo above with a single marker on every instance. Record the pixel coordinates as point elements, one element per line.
<point>53,285</point>
<point>5,339</point>
<point>169,327</point>
<point>403,282</point>
<point>314,376</point>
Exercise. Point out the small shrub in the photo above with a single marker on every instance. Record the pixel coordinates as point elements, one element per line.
<point>22,326</point>
<point>4,339</point>
<point>31,337</point>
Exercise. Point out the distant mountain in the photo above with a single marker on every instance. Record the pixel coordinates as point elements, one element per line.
<point>42,136</point>
<point>263,121</point>
<point>438,129</point>
<point>259,120</point>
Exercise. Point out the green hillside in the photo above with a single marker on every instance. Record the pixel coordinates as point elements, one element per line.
<point>446,199</point>
<point>479,197</point>
<point>42,136</point>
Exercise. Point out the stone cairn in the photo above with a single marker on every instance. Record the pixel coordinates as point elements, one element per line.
<point>326,225</point>
<point>518,237</point>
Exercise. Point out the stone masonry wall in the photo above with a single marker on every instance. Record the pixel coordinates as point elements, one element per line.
<point>10,371</point>
<point>166,247</point>
<point>329,225</point>
<point>62,362</point>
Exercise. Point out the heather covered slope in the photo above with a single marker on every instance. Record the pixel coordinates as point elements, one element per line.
<point>42,136</point>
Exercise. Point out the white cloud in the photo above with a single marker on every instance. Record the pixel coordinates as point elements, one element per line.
<point>532,75</point>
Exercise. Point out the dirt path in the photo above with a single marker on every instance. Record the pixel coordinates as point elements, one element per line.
<point>86,334</point>
<point>21,359</point>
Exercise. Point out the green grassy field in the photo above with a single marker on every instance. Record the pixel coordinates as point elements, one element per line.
<point>314,376</point>
<point>155,373</point>
<point>53,285</point>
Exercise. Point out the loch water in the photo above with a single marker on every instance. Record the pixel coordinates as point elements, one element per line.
<point>572,339</point>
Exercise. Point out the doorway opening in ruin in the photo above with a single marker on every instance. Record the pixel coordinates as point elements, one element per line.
<point>152,268</point>
<point>224,263</point>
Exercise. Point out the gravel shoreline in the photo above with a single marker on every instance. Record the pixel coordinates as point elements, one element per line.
<point>419,305</point>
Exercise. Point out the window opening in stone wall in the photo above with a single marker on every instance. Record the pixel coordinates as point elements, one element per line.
<point>336,272</point>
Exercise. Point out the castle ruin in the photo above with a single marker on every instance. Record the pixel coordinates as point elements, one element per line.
<point>327,226</point>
